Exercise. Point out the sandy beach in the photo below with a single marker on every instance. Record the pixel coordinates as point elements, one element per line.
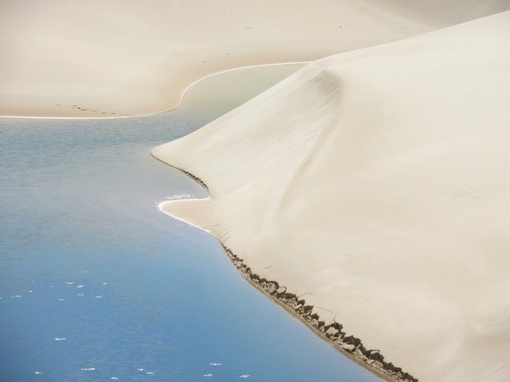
<point>368,192</point>
<point>122,58</point>
<point>374,185</point>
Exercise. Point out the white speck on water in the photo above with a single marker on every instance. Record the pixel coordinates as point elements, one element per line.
<point>150,372</point>
<point>17,296</point>
<point>215,364</point>
<point>104,283</point>
<point>99,296</point>
<point>88,368</point>
<point>38,372</point>
<point>79,286</point>
<point>61,299</point>
<point>244,376</point>
<point>114,378</point>
<point>69,282</point>
<point>207,375</point>
<point>140,369</point>
<point>29,291</point>
<point>81,294</point>
<point>60,339</point>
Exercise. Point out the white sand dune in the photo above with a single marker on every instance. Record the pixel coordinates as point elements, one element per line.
<point>112,58</point>
<point>376,183</point>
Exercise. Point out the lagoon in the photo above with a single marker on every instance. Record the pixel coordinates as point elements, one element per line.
<point>97,284</point>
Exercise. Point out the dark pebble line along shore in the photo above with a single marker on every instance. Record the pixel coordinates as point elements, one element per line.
<point>350,345</point>
<point>331,332</point>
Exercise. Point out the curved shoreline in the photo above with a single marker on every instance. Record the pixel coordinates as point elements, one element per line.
<point>332,332</point>
<point>183,94</point>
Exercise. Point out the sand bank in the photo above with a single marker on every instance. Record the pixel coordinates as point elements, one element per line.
<point>374,185</point>
<point>122,58</point>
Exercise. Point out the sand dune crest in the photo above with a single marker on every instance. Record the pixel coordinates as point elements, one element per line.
<point>376,182</point>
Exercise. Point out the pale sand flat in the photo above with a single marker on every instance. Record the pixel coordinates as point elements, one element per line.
<point>116,58</point>
<point>376,184</point>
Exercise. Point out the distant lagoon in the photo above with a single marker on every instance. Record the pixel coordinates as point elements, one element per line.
<point>97,284</point>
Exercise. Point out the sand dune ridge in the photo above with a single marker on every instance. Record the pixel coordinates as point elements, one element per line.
<point>376,183</point>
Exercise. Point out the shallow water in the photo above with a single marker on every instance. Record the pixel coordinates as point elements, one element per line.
<point>97,284</point>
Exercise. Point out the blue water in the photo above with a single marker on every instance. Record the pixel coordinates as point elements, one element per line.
<point>96,284</point>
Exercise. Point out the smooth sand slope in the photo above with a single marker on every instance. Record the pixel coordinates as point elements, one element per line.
<point>376,184</point>
<point>122,57</point>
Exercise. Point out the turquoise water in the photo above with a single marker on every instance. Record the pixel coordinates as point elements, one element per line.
<point>96,284</point>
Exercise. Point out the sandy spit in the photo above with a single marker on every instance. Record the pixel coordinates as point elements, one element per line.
<point>375,184</point>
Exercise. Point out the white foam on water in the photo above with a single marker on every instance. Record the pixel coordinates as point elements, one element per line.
<point>81,294</point>
<point>60,339</point>
<point>69,282</point>
<point>99,296</point>
<point>182,195</point>
<point>61,299</point>
<point>88,368</point>
<point>207,375</point>
<point>150,372</point>
<point>114,378</point>
<point>215,364</point>
<point>79,286</point>
<point>140,369</point>
<point>29,291</point>
<point>38,372</point>
<point>244,376</point>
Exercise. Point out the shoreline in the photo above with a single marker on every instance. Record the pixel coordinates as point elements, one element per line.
<point>332,332</point>
<point>387,223</point>
<point>183,94</point>
<point>373,181</point>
